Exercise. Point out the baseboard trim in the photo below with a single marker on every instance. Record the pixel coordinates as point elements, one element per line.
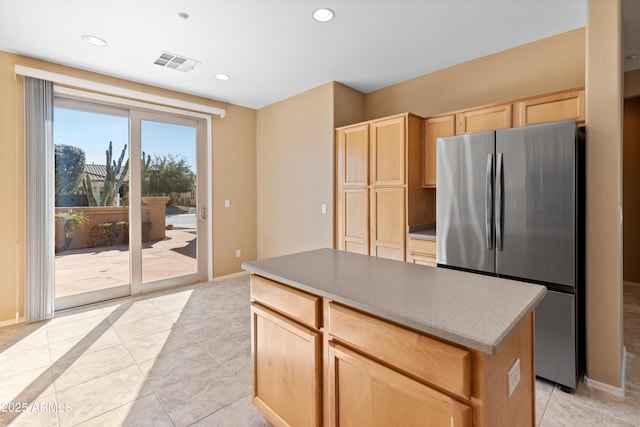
<point>617,391</point>
<point>230,276</point>
<point>634,284</point>
<point>11,322</point>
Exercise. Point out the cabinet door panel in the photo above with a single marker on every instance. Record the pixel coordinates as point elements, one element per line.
<point>388,140</point>
<point>353,220</point>
<point>353,156</point>
<point>286,369</point>
<point>366,393</point>
<point>482,119</point>
<point>550,108</point>
<point>434,128</point>
<point>388,229</point>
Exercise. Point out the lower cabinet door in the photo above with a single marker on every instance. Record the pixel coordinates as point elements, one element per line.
<point>286,369</point>
<point>387,226</point>
<point>366,393</point>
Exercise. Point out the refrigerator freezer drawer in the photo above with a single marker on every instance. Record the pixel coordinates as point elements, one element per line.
<point>556,344</point>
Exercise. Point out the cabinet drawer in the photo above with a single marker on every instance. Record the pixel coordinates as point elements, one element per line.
<point>299,305</point>
<point>426,247</point>
<point>420,259</point>
<point>435,362</point>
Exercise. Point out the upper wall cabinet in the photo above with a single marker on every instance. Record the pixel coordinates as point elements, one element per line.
<point>434,128</point>
<point>549,108</point>
<point>563,105</point>
<point>481,119</point>
<point>388,140</point>
<point>352,145</point>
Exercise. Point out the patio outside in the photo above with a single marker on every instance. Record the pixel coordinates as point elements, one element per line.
<point>90,269</point>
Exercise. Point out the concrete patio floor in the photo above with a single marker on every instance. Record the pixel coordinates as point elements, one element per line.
<point>90,269</point>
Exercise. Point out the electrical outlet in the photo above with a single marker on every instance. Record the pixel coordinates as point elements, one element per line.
<point>513,377</point>
<point>227,203</point>
<point>238,253</point>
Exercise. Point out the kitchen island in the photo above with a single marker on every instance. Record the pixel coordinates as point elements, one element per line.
<point>347,339</point>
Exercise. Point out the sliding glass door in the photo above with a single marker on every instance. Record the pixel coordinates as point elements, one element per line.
<point>172,203</point>
<point>130,201</point>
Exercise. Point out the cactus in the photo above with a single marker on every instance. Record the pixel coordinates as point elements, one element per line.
<point>116,173</point>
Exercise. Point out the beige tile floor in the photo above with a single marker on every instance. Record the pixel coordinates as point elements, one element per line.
<point>182,358</point>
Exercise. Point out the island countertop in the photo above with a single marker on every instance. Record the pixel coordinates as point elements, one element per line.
<point>472,310</point>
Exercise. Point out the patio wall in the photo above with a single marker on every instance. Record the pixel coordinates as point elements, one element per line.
<point>153,210</point>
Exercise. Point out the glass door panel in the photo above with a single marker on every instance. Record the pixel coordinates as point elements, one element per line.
<point>91,203</point>
<point>125,227</point>
<point>169,222</point>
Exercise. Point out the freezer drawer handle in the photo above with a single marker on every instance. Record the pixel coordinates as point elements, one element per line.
<point>499,204</point>
<point>488,202</point>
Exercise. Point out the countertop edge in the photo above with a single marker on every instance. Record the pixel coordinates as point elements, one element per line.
<point>455,338</point>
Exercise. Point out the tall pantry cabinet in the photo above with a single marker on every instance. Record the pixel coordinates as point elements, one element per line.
<point>379,185</point>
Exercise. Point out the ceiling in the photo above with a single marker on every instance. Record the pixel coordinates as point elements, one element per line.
<point>273,49</point>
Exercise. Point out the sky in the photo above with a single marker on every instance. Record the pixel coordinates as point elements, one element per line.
<point>92,133</point>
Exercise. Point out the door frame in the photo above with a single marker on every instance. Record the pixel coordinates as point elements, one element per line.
<point>137,116</point>
<point>204,153</point>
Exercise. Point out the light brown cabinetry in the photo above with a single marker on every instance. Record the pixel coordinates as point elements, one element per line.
<point>421,251</point>
<point>378,185</point>
<point>388,148</point>
<point>368,393</point>
<point>549,108</point>
<point>388,222</point>
<point>353,211</point>
<point>562,105</point>
<point>481,119</point>
<point>434,128</point>
<point>352,147</point>
<point>318,362</point>
<point>287,357</point>
<point>372,362</point>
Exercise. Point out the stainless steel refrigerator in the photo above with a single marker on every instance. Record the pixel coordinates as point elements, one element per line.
<point>510,203</point>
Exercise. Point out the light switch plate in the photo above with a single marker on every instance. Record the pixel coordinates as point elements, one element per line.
<point>227,203</point>
<point>324,209</point>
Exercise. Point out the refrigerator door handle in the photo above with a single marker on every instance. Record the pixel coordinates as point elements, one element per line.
<point>499,203</point>
<point>488,202</point>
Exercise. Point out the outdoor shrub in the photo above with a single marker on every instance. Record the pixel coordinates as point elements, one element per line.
<point>115,233</point>
<point>108,234</point>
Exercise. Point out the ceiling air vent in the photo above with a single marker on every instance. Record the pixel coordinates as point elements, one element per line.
<point>176,62</point>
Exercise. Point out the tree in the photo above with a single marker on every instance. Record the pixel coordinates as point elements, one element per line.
<point>69,167</point>
<point>168,174</point>
<point>115,175</point>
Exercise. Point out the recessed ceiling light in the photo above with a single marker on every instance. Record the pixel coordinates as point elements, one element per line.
<point>323,14</point>
<point>94,40</point>
<point>632,56</point>
<point>223,77</point>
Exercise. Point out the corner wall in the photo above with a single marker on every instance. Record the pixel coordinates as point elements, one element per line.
<point>234,177</point>
<point>294,150</point>
<point>604,95</point>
